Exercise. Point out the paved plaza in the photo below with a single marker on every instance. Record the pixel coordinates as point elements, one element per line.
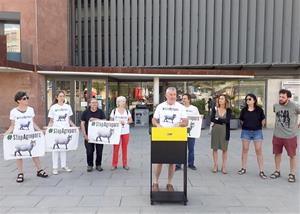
<point>122,191</point>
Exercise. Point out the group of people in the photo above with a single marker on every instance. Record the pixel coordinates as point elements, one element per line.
<point>252,119</point>
<point>59,117</point>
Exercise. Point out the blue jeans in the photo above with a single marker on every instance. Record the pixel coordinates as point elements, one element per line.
<point>252,135</point>
<point>191,157</point>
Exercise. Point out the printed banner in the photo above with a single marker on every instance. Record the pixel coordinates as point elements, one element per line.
<point>194,127</point>
<point>104,132</point>
<point>21,146</point>
<point>61,139</point>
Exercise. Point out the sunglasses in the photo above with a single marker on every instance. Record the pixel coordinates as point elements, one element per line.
<point>25,98</point>
<point>249,99</point>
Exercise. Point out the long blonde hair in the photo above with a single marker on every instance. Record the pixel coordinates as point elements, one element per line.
<point>227,105</point>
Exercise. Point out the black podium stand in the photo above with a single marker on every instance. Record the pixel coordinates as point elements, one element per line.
<point>169,146</point>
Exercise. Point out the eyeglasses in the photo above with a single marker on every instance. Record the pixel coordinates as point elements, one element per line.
<point>25,98</point>
<point>249,99</point>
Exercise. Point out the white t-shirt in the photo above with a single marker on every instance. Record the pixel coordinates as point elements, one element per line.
<point>116,116</point>
<point>192,111</point>
<point>60,115</point>
<point>170,115</point>
<point>23,120</point>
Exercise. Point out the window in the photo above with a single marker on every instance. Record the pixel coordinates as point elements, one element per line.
<point>10,26</point>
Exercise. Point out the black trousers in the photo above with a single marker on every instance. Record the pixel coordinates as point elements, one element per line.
<point>90,148</point>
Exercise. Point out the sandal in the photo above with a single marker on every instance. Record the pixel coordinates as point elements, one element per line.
<point>275,175</point>
<point>242,171</point>
<point>155,187</point>
<point>20,178</point>
<point>215,170</point>
<point>224,171</point>
<point>262,175</point>
<point>292,178</point>
<point>170,188</point>
<point>41,173</point>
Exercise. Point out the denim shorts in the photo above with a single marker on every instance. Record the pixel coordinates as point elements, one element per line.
<point>252,135</point>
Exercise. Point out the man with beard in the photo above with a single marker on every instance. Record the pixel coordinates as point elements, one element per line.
<point>285,132</point>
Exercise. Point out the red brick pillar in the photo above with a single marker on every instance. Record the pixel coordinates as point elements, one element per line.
<point>3,50</point>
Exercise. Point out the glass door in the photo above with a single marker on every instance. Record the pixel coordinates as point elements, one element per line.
<point>81,96</point>
<point>53,86</point>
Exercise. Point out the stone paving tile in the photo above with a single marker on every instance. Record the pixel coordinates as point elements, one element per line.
<point>121,210</point>
<point>100,201</point>
<point>220,201</point>
<point>44,191</point>
<point>23,210</point>
<point>238,210</point>
<point>123,191</point>
<point>99,190</point>
<point>4,209</point>
<point>59,201</point>
<point>16,190</point>
<point>20,201</point>
<point>71,210</point>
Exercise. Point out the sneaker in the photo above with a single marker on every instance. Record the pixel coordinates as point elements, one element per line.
<point>155,187</point>
<point>66,169</point>
<point>170,188</point>
<point>177,168</point>
<point>99,168</point>
<point>126,167</point>
<point>89,168</point>
<point>192,167</point>
<point>113,168</point>
<point>55,171</point>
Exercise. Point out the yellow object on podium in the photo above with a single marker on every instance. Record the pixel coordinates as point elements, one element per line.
<point>169,146</point>
<point>169,134</point>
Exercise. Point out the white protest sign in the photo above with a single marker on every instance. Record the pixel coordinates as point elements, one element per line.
<point>21,146</point>
<point>194,127</point>
<point>104,132</point>
<point>61,139</point>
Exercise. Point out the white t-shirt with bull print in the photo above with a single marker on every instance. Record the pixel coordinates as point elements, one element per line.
<point>170,115</point>
<point>117,116</point>
<point>60,115</point>
<point>23,120</point>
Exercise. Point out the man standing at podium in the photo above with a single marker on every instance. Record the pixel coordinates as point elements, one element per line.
<point>168,114</point>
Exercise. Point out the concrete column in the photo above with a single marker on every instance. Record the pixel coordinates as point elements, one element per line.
<point>185,87</point>
<point>273,87</point>
<point>155,91</point>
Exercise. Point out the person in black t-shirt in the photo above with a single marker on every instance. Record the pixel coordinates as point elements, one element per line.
<point>252,118</point>
<point>92,113</point>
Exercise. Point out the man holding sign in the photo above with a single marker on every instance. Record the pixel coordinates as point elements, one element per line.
<point>193,114</point>
<point>168,114</point>
<point>92,113</point>
<point>22,123</point>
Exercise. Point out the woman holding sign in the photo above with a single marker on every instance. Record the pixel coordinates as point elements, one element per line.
<point>22,123</point>
<point>90,114</point>
<point>122,115</point>
<point>59,115</point>
<point>190,111</point>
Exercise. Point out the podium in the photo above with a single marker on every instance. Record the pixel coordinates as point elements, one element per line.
<point>169,146</point>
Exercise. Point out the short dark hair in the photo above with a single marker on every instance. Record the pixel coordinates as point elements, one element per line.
<point>287,92</point>
<point>19,95</point>
<point>188,96</point>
